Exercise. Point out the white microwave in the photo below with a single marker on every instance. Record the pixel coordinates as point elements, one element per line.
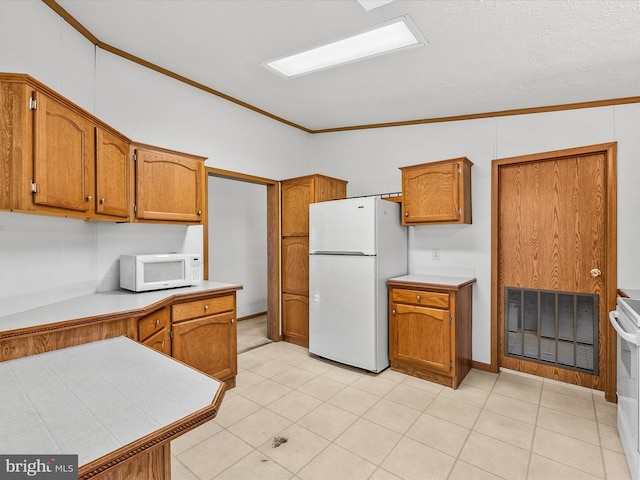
<point>142,273</point>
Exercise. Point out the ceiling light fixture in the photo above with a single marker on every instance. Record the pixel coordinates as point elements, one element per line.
<point>392,36</point>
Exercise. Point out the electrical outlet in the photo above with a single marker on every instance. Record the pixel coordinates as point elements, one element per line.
<point>435,254</point>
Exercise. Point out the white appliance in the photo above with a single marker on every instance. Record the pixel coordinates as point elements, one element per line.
<point>626,321</point>
<point>142,273</point>
<point>355,245</point>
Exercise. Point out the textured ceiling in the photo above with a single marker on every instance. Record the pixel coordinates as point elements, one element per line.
<point>482,56</point>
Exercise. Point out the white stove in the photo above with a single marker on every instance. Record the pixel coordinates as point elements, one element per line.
<point>626,321</point>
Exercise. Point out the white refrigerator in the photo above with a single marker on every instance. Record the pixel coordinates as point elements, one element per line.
<point>355,245</point>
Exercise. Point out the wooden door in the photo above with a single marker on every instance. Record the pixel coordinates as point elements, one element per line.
<point>295,319</point>
<point>169,186</point>
<point>421,336</point>
<point>63,146</point>
<point>113,168</point>
<point>296,197</point>
<point>295,265</point>
<point>553,217</point>
<point>208,344</point>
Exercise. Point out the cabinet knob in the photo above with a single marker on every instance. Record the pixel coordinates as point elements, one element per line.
<point>89,198</point>
<point>233,320</point>
<point>103,201</point>
<point>206,307</point>
<point>595,272</point>
<point>393,311</point>
<point>406,214</point>
<point>418,297</point>
<point>199,212</point>
<point>157,322</point>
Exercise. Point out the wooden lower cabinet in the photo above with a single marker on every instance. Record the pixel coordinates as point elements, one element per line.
<point>153,330</point>
<point>295,319</point>
<point>430,330</point>
<point>204,336</point>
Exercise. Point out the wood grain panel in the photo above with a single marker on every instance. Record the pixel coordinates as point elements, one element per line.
<point>199,308</point>
<point>553,226</point>
<point>295,319</point>
<point>295,265</point>
<point>414,325</point>
<point>328,188</point>
<point>113,175</point>
<point>297,194</point>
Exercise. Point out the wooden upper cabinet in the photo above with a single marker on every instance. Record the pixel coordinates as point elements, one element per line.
<point>62,155</point>
<point>59,159</point>
<point>169,185</point>
<point>113,175</point>
<point>438,192</point>
<point>298,193</point>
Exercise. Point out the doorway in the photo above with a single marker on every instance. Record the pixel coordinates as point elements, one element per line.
<point>272,245</point>
<point>554,265</point>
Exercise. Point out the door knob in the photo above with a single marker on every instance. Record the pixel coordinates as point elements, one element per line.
<point>595,272</point>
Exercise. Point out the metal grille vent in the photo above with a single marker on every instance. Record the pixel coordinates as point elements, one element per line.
<point>550,327</point>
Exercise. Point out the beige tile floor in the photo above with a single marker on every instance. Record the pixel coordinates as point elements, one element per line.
<point>341,423</point>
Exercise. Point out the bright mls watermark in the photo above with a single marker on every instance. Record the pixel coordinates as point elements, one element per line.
<point>49,467</point>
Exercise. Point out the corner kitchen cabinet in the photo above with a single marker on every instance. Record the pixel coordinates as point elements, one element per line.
<point>437,192</point>
<point>204,336</point>
<point>154,330</point>
<point>296,195</point>
<point>169,186</point>
<point>55,156</point>
<point>430,327</point>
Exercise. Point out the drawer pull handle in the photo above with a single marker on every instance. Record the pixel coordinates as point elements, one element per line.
<point>157,322</point>
<point>103,201</point>
<point>206,307</point>
<point>418,297</point>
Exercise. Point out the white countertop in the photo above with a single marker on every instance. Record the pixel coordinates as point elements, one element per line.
<point>446,280</point>
<point>94,398</point>
<point>102,303</point>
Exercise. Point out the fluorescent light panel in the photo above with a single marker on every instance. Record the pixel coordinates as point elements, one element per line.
<point>389,37</point>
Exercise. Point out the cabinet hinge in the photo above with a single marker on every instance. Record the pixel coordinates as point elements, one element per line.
<point>450,364</point>
<point>135,208</point>
<point>170,333</point>
<point>33,186</point>
<point>33,104</point>
<point>450,319</point>
<point>459,212</point>
<point>135,157</point>
<point>459,170</point>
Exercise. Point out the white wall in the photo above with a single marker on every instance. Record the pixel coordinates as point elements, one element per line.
<point>238,240</point>
<point>369,159</point>
<point>46,259</point>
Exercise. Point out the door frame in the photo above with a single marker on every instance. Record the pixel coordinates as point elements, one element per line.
<point>609,150</point>
<point>273,242</point>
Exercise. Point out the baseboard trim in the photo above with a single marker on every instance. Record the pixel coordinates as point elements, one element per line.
<point>481,366</point>
<point>253,315</point>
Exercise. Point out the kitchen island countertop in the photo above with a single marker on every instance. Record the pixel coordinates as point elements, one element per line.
<point>107,401</point>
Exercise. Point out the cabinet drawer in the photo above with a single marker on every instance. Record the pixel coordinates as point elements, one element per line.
<point>152,323</point>
<point>199,308</point>
<point>420,297</point>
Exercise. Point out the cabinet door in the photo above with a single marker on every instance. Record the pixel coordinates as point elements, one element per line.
<point>113,168</point>
<point>421,336</point>
<point>295,265</point>
<point>296,197</point>
<point>431,194</point>
<point>159,341</point>
<point>207,344</point>
<point>62,150</point>
<point>168,186</point>
<point>295,319</point>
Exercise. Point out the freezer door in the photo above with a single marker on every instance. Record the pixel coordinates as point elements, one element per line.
<point>343,311</point>
<point>343,226</point>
